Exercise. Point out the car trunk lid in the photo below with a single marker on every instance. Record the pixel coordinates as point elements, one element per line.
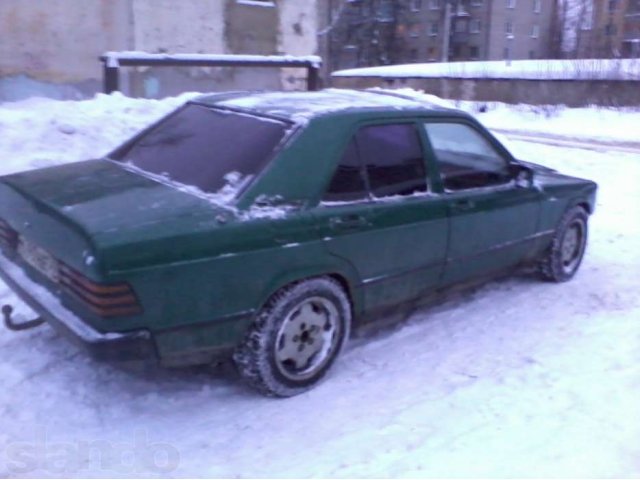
<point>82,210</point>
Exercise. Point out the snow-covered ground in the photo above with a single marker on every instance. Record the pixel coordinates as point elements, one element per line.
<point>517,378</point>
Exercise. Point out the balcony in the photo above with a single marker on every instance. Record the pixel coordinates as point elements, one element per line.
<point>459,37</point>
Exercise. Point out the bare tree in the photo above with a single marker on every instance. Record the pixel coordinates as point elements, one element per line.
<point>365,32</point>
<point>572,31</point>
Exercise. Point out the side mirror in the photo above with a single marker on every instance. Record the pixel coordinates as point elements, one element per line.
<point>521,174</point>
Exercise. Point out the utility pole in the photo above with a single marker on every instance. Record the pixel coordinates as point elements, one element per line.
<point>446,31</point>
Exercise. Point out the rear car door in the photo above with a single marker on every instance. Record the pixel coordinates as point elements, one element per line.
<point>494,216</point>
<point>379,214</point>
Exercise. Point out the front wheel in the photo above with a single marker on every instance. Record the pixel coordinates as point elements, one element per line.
<point>562,259</point>
<point>295,338</point>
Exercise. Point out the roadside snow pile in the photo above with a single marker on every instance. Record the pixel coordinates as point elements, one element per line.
<point>610,125</point>
<point>41,132</point>
<point>594,123</point>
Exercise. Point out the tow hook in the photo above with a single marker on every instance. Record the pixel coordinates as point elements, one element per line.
<point>11,324</point>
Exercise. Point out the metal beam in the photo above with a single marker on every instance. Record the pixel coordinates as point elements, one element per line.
<point>112,61</point>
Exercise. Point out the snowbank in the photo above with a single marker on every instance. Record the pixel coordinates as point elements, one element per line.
<point>41,132</point>
<point>601,124</point>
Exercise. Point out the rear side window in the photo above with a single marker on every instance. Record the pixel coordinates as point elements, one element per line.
<point>200,146</point>
<point>393,160</point>
<point>465,158</point>
<point>348,183</point>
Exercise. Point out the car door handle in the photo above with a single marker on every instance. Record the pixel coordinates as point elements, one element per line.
<point>348,222</point>
<point>463,205</point>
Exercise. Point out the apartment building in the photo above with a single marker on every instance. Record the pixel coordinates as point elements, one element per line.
<point>482,29</point>
<point>631,30</point>
<point>596,28</point>
<point>442,30</point>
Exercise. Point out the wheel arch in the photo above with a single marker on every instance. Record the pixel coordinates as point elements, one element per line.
<point>584,205</point>
<point>345,276</point>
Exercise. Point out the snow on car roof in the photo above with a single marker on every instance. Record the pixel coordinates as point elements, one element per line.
<point>302,106</point>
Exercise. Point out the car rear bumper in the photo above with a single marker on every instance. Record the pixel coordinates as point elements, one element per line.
<point>113,346</point>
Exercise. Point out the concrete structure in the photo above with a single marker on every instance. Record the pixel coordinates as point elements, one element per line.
<point>534,82</point>
<point>51,47</point>
<point>573,93</point>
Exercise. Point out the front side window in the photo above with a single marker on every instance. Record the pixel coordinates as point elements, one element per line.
<point>203,147</point>
<point>393,160</point>
<point>465,158</point>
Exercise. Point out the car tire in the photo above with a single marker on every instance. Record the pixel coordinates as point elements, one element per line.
<point>295,338</point>
<point>563,257</point>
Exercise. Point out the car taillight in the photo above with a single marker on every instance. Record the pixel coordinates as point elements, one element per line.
<point>106,300</point>
<point>8,236</point>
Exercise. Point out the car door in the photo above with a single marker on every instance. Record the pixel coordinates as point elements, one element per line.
<point>378,213</point>
<point>494,216</point>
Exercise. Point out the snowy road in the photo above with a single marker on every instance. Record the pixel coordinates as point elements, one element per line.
<point>519,378</point>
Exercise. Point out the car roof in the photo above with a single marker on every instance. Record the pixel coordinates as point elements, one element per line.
<point>303,106</point>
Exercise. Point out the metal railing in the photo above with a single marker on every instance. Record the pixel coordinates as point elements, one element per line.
<point>113,61</point>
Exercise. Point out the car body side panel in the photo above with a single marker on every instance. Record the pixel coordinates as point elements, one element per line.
<point>491,230</point>
<point>398,253</point>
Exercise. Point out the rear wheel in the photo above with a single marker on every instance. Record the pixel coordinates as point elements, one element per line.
<point>562,259</point>
<point>295,338</point>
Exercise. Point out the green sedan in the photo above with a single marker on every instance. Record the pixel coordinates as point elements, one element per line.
<point>264,226</point>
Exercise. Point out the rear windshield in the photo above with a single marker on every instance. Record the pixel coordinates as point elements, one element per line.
<point>204,147</point>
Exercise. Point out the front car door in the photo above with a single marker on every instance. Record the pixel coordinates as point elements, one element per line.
<point>494,217</point>
<point>379,213</point>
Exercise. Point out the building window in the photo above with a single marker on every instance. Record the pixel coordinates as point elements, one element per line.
<point>535,31</point>
<point>475,25</point>
<point>414,30</point>
<point>508,29</point>
<point>416,5</point>
<point>474,52</point>
<point>507,53</point>
<point>434,4</point>
<point>532,54</point>
<point>433,29</point>
<point>476,3</point>
<point>537,6</point>
<point>461,26</point>
<point>612,5</point>
<point>610,29</point>
<point>511,3</point>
